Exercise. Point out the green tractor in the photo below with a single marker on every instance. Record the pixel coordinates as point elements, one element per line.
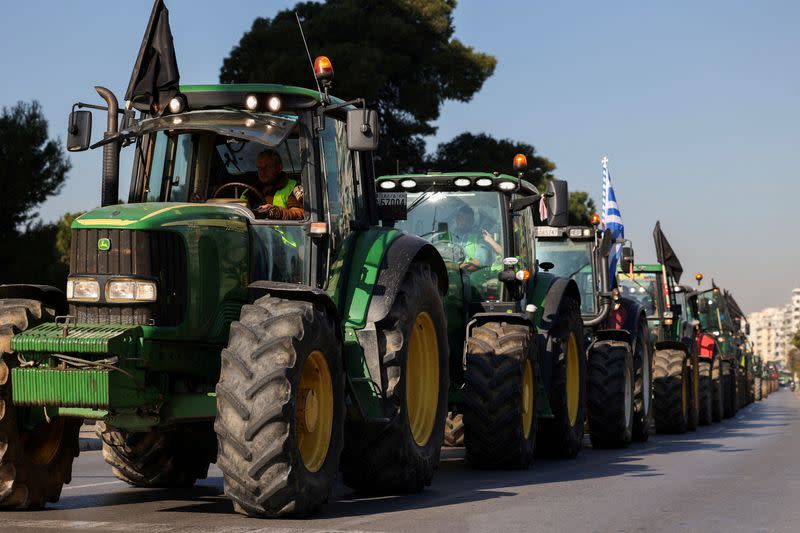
<point>619,355</point>
<point>758,378</point>
<point>193,331</point>
<point>517,368</point>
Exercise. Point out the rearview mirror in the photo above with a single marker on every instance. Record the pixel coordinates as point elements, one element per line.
<point>557,204</point>
<point>626,259</point>
<point>362,130</point>
<point>605,244</point>
<point>79,131</point>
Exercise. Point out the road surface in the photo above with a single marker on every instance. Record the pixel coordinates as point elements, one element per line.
<point>739,475</point>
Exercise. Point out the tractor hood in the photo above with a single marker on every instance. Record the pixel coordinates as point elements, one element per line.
<point>165,215</point>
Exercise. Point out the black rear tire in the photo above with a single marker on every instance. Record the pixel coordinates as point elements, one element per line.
<point>177,457</point>
<point>705,409</point>
<point>729,386</point>
<point>280,408</point>
<point>643,385</point>
<point>499,399</point>
<point>757,389</point>
<point>562,435</point>
<point>386,457</point>
<point>718,392</point>
<point>672,382</point>
<point>610,394</point>
<point>34,464</point>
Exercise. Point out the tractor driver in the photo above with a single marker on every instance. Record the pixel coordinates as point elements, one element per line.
<point>283,196</point>
<point>474,242</point>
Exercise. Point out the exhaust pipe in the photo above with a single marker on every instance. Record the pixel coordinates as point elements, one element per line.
<point>110,186</point>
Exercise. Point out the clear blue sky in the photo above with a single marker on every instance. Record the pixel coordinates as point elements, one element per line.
<point>695,104</point>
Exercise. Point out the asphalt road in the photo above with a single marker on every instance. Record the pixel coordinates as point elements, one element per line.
<point>740,475</point>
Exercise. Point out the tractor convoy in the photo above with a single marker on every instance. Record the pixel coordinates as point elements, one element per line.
<point>397,314</point>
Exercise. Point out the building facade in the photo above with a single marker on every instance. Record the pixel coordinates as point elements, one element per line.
<point>771,329</point>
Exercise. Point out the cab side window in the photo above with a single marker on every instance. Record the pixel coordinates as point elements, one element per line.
<point>344,200</point>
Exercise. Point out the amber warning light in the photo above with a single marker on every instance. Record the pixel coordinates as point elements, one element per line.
<point>595,219</point>
<point>520,162</point>
<point>323,69</point>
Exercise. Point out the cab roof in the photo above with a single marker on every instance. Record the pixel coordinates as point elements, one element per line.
<point>233,95</point>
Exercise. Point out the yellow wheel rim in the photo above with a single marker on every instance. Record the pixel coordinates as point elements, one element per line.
<point>314,413</point>
<point>422,378</point>
<point>573,379</point>
<point>42,444</point>
<point>528,391</point>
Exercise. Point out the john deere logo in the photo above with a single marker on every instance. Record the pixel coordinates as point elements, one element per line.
<point>103,245</point>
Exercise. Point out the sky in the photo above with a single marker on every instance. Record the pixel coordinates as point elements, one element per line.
<point>695,103</point>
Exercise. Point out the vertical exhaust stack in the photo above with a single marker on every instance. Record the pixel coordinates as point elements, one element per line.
<point>110,186</point>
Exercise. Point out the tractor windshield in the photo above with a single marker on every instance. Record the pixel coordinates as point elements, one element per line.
<point>467,229</point>
<point>711,313</point>
<point>642,287</point>
<point>571,259</point>
<point>210,156</point>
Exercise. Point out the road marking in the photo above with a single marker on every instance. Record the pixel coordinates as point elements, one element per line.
<point>92,485</point>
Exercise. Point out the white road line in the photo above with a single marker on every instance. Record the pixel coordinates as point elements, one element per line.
<point>69,487</point>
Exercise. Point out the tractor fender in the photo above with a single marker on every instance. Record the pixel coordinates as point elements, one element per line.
<point>671,345</point>
<point>47,294</point>
<point>294,291</point>
<point>620,335</point>
<point>560,288</point>
<point>402,252</point>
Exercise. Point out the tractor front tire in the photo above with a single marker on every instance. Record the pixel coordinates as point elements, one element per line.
<point>729,387</point>
<point>718,392</point>
<point>34,464</point>
<point>643,385</point>
<point>610,394</point>
<point>280,408</point>
<point>561,436</point>
<point>163,458</point>
<point>401,455</point>
<point>705,409</point>
<point>672,384</point>
<point>757,389</point>
<point>500,396</point>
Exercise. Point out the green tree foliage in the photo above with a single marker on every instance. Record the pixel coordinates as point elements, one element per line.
<point>33,258</point>
<point>64,235</point>
<point>32,167</point>
<point>581,208</point>
<point>398,54</point>
<point>483,153</point>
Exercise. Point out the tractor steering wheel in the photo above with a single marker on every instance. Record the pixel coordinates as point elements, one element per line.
<point>236,185</point>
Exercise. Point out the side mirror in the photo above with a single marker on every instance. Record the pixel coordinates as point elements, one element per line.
<point>362,130</point>
<point>605,244</point>
<point>79,131</point>
<point>677,310</point>
<point>626,259</point>
<point>557,204</point>
<point>747,329</point>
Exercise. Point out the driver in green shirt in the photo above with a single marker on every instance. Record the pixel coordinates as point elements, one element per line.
<point>479,245</point>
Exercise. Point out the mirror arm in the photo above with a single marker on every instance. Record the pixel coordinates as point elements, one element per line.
<point>519,204</point>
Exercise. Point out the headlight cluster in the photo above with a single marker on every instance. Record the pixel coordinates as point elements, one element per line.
<point>116,290</point>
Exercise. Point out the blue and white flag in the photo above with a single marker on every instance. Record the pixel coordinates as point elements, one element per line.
<point>612,221</point>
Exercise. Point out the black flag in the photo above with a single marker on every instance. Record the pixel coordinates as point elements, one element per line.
<point>665,253</point>
<point>154,80</point>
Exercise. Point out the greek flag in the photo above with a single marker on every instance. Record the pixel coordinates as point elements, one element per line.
<point>612,221</point>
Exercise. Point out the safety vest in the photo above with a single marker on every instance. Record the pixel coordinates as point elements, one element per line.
<point>282,195</point>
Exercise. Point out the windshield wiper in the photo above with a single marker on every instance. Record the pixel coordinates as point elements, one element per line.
<point>424,197</point>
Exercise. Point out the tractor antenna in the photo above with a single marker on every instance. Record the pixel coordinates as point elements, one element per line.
<point>308,53</point>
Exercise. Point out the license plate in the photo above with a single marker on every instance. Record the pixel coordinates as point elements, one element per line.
<point>547,231</point>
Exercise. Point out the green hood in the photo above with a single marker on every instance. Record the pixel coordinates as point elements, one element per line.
<point>162,215</point>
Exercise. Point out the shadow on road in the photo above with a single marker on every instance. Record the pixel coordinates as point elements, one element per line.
<point>457,483</point>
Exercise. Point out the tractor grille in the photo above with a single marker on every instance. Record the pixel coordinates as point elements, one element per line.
<point>150,254</point>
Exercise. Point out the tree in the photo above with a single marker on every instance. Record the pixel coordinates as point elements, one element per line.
<point>483,153</point>
<point>398,54</point>
<point>32,167</point>
<point>581,208</point>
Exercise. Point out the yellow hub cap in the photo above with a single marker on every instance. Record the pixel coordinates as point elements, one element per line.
<point>422,378</point>
<point>528,391</point>
<point>573,379</point>
<point>42,444</point>
<point>314,414</point>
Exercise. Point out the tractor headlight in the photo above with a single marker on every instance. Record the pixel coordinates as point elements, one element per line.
<point>83,290</point>
<point>128,290</point>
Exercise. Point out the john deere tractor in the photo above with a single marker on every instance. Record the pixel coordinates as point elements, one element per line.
<point>193,331</point>
<point>615,330</point>
<point>517,367</point>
